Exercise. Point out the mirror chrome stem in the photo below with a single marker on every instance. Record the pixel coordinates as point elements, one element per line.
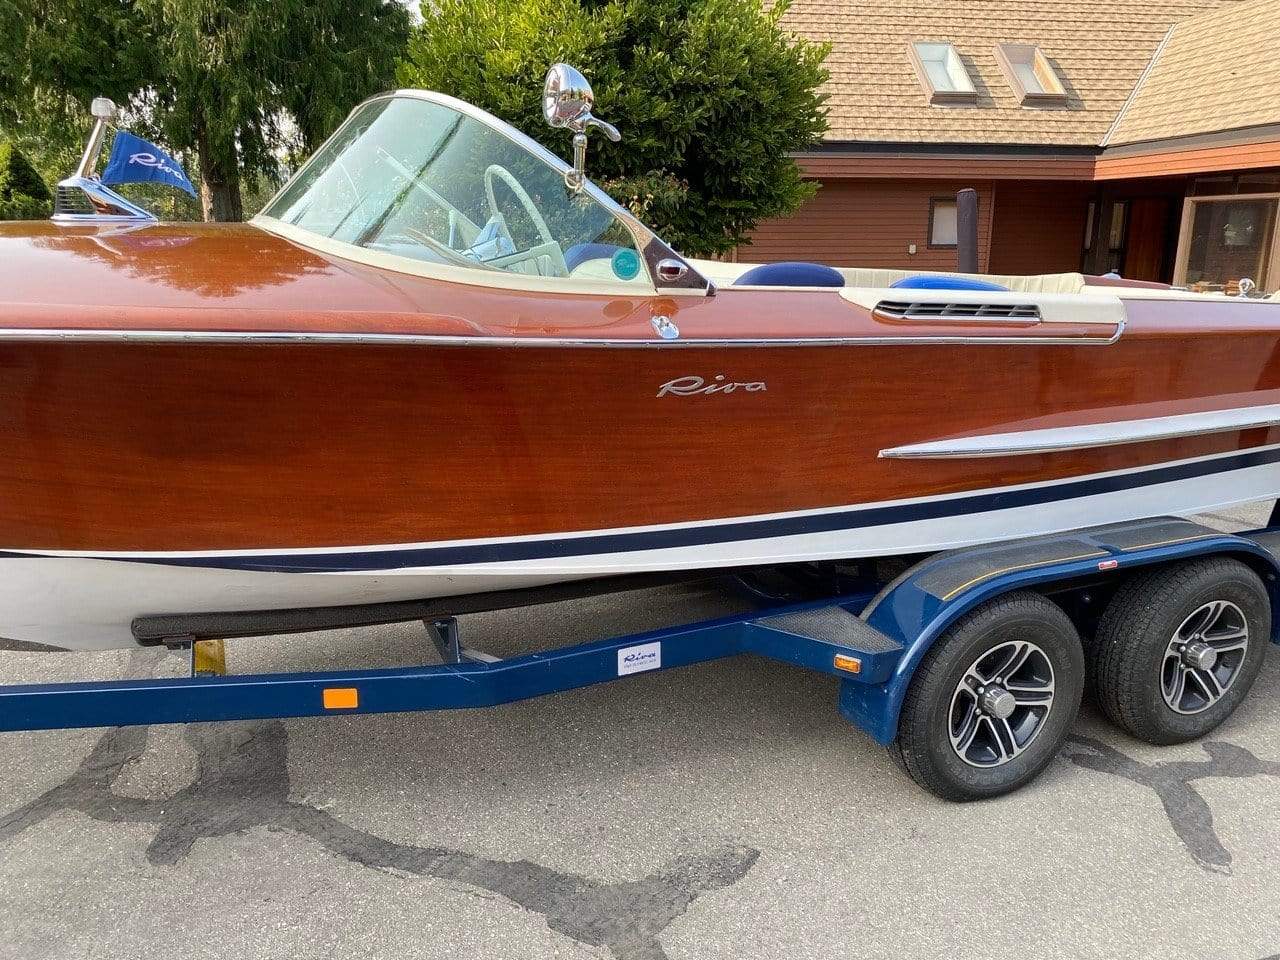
<point>608,129</point>
<point>104,111</point>
<point>575,178</point>
<point>578,177</point>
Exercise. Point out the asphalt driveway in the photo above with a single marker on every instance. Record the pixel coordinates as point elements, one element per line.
<point>721,811</point>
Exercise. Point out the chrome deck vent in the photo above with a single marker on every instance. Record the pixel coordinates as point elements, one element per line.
<point>71,200</point>
<point>926,311</point>
<point>86,200</point>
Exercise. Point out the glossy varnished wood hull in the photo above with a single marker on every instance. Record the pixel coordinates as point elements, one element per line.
<point>177,447</point>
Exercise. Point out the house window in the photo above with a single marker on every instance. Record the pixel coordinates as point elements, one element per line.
<point>1090,218</point>
<point>943,223</point>
<point>1226,239</point>
<point>1030,73</point>
<point>942,73</point>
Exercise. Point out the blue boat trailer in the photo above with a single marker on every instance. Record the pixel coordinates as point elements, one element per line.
<point>807,635</point>
<point>871,636</point>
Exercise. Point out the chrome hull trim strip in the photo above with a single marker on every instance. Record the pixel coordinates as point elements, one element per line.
<point>45,334</point>
<point>1088,436</point>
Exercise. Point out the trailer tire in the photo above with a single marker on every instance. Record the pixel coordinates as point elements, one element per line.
<point>1154,689</point>
<point>944,696</point>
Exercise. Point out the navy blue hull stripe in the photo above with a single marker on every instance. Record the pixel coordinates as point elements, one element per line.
<point>393,558</point>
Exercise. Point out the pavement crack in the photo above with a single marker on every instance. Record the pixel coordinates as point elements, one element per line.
<point>1188,812</point>
<point>242,782</point>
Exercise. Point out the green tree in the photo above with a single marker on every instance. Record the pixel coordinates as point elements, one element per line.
<point>23,194</point>
<point>229,83</point>
<point>711,96</point>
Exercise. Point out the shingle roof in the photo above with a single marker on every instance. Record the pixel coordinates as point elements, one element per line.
<point>1218,71</point>
<point>1100,49</point>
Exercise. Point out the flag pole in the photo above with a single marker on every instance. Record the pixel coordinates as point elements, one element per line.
<point>104,111</point>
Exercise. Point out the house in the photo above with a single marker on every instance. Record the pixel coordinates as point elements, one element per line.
<point>1130,136</point>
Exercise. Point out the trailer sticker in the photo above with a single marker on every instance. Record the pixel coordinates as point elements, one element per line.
<point>645,656</point>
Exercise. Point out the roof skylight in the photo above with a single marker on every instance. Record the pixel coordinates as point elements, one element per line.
<point>1030,73</point>
<point>943,73</point>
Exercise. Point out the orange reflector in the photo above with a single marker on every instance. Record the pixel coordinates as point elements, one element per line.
<point>341,698</point>
<point>1108,564</point>
<point>848,664</point>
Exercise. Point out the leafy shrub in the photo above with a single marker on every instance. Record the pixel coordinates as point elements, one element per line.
<point>23,194</point>
<point>711,96</point>
<point>18,176</point>
<point>25,208</point>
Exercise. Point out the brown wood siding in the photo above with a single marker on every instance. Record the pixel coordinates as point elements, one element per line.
<point>1115,163</point>
<point>1250,156</point>
<point>905,166</point>
<point>1038,227</point>
<point>869,223</point>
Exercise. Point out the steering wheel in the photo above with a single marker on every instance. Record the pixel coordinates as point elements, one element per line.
<point>501,172</point>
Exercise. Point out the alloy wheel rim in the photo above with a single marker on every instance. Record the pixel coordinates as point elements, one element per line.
<point>1001,704</point>
<point>1203,657</point>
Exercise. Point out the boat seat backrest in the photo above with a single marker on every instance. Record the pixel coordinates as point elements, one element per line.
<point>933,281</point>
<point>725,273</point>
<point>791,274</point>
<point>1038,283</point>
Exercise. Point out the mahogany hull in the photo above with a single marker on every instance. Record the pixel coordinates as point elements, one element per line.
<point>125,447</point>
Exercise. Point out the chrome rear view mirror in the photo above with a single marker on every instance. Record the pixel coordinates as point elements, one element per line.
<point>567,100</point>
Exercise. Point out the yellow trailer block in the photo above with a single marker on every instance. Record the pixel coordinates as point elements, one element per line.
<point>209,657</point>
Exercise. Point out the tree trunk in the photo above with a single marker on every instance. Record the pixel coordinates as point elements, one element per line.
<point>219,182</point>
<point>220,199</point>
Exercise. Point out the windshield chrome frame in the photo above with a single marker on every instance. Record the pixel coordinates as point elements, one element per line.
<point>651,246</point>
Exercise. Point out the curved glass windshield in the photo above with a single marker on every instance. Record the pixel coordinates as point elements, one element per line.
<point>420,179</point>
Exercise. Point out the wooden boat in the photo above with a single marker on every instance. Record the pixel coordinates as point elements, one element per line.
<point>443,362</point>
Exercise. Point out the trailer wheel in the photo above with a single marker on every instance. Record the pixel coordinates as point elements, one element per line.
<point>992,701</point>
<point>1179,647</point>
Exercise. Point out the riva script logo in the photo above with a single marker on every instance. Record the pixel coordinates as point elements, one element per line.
<point>151,160</point>
<point>695,386</point>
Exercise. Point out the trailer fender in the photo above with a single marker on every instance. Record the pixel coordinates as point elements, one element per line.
<point>918,607</point>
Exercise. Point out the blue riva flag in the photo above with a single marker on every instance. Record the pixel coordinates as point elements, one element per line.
<point>134,160</point>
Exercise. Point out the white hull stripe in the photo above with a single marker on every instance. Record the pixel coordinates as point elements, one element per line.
<point>1088,436</point>
<point>693,535</point>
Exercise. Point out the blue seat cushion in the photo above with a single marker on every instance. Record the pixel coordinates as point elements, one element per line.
<point>926,281</point>
<point>580,253</point>
<point>791,274</point>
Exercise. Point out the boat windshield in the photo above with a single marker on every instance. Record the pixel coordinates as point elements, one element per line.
<point>420,179</point>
